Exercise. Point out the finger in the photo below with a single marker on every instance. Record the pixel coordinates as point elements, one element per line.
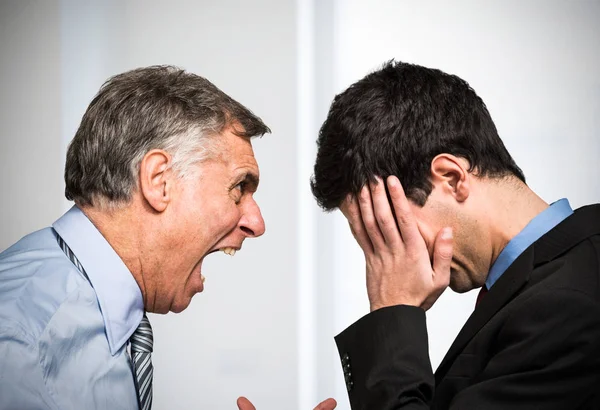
<point>441,264</point>
<point>351,211</point>
<point>442,258</point>
<point>404,216</point>
<point>368,218</point>
<point>328,404</point>
<point>383,213</point>
<point>245,404</point>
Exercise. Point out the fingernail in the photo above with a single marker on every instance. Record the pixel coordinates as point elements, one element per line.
<point>392,181</point>
<point>447,233</point>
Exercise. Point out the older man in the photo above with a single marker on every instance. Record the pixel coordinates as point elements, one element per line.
<point>162,173</point>
<point>412,158</point>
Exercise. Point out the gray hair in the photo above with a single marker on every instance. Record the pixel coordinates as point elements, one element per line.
<point>158,107</point>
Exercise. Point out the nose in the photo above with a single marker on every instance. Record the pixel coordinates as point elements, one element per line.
<point>252,222</point>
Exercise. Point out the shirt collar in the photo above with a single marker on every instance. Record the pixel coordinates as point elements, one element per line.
<point>534,230</point>
<point>118,293</point>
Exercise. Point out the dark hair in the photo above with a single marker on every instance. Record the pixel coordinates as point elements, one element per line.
<point>394,122</point>
<point>134,112</point>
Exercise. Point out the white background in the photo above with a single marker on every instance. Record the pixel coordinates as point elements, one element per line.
<point>264,325</point>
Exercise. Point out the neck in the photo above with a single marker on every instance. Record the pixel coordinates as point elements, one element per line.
<point>120,228</point>
<point>510,206</point>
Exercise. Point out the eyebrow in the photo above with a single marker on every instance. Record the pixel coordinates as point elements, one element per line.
<point>252,180</point>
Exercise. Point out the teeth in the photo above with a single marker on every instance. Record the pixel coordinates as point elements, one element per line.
<point>229,251</point>
<point>202,277</point>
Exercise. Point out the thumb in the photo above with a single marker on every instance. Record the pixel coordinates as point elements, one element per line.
<point>328,404</point>
<point>442,257</point>
<point>245,404</point>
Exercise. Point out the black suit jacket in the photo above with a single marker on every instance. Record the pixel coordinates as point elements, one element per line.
<point>532,343</point>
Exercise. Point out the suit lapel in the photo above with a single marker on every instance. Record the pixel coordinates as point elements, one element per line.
<point>584,223</point>
<point>515,277</point>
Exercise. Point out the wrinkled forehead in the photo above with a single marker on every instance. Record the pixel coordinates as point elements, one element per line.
<point>234,148</point>
<point>236,154</point>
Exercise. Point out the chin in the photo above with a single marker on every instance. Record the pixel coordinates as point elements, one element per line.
<point>457,285</point>
<point>460,289</point>
<point>180,306</point>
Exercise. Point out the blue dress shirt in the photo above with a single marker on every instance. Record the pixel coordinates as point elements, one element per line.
<point>63,339</point>
<point>534,230</point>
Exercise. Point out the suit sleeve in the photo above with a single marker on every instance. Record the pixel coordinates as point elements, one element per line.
<point>547,355</point>
<point>385,358</point>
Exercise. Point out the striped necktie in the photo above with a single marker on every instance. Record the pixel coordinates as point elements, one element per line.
<point>65,248</point>
<point>141,344</point>
<point>141,352</point>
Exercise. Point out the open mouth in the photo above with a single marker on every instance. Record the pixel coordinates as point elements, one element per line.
<point>228,250</point>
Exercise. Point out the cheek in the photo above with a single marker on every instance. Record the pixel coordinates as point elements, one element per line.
<point>225,218</point>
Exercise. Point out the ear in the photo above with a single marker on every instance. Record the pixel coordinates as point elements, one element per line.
<point>155,181</point>
<point>451,174</point>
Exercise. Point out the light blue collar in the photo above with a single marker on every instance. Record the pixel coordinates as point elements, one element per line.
<point>118,293</point>
<point>534,230</point>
